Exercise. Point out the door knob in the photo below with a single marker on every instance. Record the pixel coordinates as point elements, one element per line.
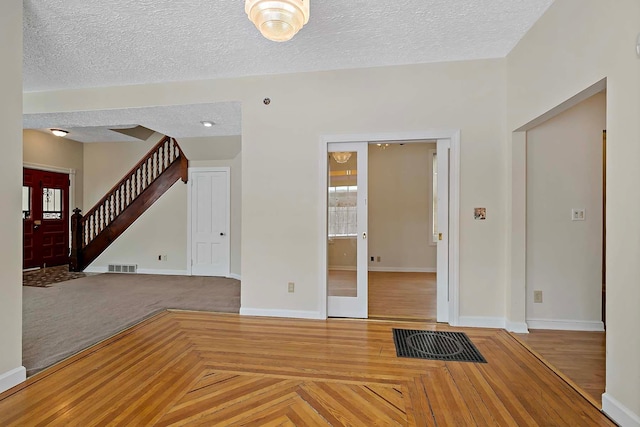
<point>222,234</point>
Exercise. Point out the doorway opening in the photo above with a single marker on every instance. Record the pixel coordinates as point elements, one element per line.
<point>558,290</point>
<point>386,234</point>
<point>403,230</point>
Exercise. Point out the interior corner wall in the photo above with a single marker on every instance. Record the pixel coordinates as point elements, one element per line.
<point>45,149</point>
<point>11,371</point>
<point>401,208</point>
<point>564,257</point>
<point>575,44</point>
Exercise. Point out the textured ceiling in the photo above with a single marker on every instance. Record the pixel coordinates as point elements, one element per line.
<point>92,43</point>
<point>72,44</point>
<point>179,121</point>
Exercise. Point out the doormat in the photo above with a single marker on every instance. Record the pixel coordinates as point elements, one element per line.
<point>436,345</point>
<point>44,277</point>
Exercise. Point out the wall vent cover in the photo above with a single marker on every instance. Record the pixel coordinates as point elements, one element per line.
<point>123,268</point>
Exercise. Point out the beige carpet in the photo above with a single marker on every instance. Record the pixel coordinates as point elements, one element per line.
<point>66,317</point>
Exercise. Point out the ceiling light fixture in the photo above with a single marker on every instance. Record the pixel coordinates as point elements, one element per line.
<point>278,20</point>
<point>383,146</point>
<point>207,124</point>
<point>341,156</point>
<point>59,132</point>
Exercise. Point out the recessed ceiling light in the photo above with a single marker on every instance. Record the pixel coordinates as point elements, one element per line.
<point>207,124</point>
<point>59,132</point>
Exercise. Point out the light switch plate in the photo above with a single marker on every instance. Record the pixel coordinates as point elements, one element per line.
<point>578,215</point>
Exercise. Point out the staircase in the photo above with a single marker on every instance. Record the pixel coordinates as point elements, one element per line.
<point>92,233</point>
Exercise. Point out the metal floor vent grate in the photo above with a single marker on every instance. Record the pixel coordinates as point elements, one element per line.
<point>123,268</point>
<point>447,346</point>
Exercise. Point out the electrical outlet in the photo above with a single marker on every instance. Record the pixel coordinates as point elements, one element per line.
<point>371,259</point>
<point>159,257</point>
<point>378,259</point>
<point>164,257</point>
<point>292,287</point>
<point>537,297</point>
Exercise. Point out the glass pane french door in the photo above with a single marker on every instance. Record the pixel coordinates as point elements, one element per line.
<point>347,230</point>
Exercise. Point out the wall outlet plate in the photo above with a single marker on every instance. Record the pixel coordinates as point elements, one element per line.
<point>291,287</point>
<point>537,297</point>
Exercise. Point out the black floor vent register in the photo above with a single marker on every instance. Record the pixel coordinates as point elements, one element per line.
<point>436,345</point>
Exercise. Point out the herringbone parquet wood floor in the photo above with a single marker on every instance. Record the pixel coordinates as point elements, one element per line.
<point>185,368</point>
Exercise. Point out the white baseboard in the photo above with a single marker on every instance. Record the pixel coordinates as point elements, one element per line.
<point>163,272</point>
<point>566,325</point>
<point>386,269</point>
<point>618,412</point>
<point>12,378</point>
<point>481,322</point>
<point>95,270</point>
<point>404,269</point>
<point>141,271</point>
<point>268,312</point>
<point>235,276</point>
<point>517,327</point>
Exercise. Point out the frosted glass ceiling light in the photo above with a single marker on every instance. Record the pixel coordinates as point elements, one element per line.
<point>341,156</point>
<point>59,132</point>
<point>278,20</point>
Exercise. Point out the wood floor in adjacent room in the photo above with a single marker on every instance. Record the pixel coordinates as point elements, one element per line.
<point>392,295</point>
<point>189,368</point>
<point>578,355</point>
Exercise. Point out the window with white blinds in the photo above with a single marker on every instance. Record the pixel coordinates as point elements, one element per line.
<point>343,213</point>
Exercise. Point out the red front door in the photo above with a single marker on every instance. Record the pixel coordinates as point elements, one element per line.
<point>45,215</point>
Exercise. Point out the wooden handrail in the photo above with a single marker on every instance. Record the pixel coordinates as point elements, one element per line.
<point>128,174</point>
<point>163,157</point>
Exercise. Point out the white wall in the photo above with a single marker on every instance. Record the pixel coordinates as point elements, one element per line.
<point>105,163</point>
<point>281,200</point>
<point>143,242</point>
<point>45,149</point>
<point>575,44</point>
<point>400,207</point>
<point>11,371</point>
<point>564,257</point>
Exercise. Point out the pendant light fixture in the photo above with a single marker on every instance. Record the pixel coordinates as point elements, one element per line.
<point>341,156</point>
<point>278,20</point>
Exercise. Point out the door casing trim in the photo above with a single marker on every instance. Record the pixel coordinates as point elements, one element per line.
<point>454,204</point>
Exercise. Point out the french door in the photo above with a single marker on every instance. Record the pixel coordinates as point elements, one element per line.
<point>45,217</point>
<point>347,280</point>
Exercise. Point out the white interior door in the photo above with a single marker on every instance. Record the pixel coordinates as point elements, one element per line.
<point>347,280</point>
<point>210,243</point>
<point>442,275</point>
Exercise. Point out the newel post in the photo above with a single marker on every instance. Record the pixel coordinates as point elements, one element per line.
<point>75,260</point>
